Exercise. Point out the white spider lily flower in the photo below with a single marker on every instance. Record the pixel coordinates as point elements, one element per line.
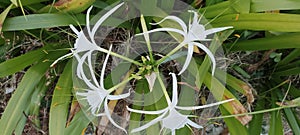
<point>84,44</point>
<point>170,118</point>
<point>97,96</point>
<point>192,35</point>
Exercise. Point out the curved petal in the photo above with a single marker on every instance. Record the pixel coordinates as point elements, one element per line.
<point>174,91</point>
<point>147,112</point>
<point>188,58</point>
<point>193,124</point>
<point>103,68</point>
<point>74,29</point>
<point>60,58</point>
<point>163,29</point>
<point>210,54</point>
<point>117,97</point>
<point>202,106</point>
<point>92,72</point>
<point>102,19</point>
<point>157,119</point>
<point>176,19</point>
<point>195,19</point>
<point>215,30</point>
<point>107,113</point>
<point>87,19</point>
<point>84,78</point>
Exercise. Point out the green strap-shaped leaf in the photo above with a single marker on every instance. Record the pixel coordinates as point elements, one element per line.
<point>235,127</point>
<point>276,127</point>
<point>3,16</point>
<point>268,5</point>
<point>35,21</point>
<point>276,42</point>
<point>255,125</point>
<point>60,102</point>
<point>78,124</point>
<point>9,67</point>
<point>20,99</point>
<point>259,21</point>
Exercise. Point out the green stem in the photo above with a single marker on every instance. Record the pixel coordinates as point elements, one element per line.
<point>251,113</point>
<point>119,84</point>
<point>146,36</point>
<point>160,61</point>
<point>163,86</point>
<point>122,57</point>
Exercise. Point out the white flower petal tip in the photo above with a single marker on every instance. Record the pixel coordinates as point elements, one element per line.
<point>151,80</point>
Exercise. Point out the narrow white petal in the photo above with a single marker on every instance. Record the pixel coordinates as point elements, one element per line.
<point>176,19</point>
<point>117,97</point>
<point>146,112</point>
<point>157,119</point>
<point>193,124</point>
<point>60,58</point>
<point>214,30</point>
<point>202,106</point>
<point>103,68</point>
<point>107,112</point>
<point>74,29</point>
<point>164,29</point>
<point>188,58</point>
<point>210,54</point>
<point>92,72</point>
<point>88,26</point>
<point>99,114</point>
<point>84,78</point>
<point>174,92</point>
<point>102,19</point>
<point>195,19</point>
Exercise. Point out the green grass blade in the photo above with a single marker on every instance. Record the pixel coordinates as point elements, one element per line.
<point>255,125</point>
<point>19,101</point>
<point>276,127</point>
<point>33,108</point>
<point>136,117</point>
<point>60,102</point>
<point>290,116</point>
<point>35,21</point>
<point>258,21</point>
<point>269,5</point>
<point>9,67</point>
<point>241,6</point>
<point>276,42</point>
<point>290,57</point>
<point>235,127</point>
<point>78,124</point>
<point>222,8</point>
<point>288,72</point>
<point>3,16</point>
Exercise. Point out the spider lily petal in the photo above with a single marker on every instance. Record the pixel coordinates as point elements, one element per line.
<point>162,29</point>
<point>193,124</point>
<point>107,113</point>
<point>188,58</point>
<point>210,54</point>
<point>203,106</point>
<point>146,112</point>
<point>117,97</point>
<point>157,119</point>
<point>176,19</point>
<point>215,30</point>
